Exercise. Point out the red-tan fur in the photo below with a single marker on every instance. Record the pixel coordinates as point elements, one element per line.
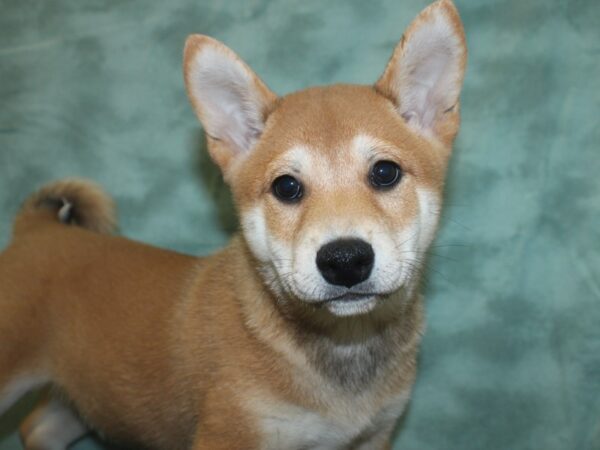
<point>166,351</point>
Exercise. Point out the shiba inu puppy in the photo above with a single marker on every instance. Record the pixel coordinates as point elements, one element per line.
<point>303,332</point>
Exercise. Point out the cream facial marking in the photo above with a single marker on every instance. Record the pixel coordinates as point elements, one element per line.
<point>297,160</point>
<point>275,254</point>
<point>429,215</point>
<point>382,222</point>
<point>254,227</point>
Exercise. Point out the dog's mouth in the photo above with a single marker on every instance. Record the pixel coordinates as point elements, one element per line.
<point>351,297</point>
<point>352,303</point>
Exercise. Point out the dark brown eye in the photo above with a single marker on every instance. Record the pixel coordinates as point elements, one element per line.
<point>385,174</point>
<point>287,189</point>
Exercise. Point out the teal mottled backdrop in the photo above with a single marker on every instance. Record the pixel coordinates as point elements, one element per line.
<point>511,358</point>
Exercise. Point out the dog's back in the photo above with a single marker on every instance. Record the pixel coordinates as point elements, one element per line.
<point>65,281</point>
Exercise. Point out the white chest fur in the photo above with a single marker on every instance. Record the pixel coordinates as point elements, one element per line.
<point>291,427</point>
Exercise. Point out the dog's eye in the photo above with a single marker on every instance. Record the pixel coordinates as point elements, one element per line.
<point>385,174</point>
<point>286,188</point>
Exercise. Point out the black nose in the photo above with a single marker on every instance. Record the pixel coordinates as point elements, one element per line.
<point>345,262</point>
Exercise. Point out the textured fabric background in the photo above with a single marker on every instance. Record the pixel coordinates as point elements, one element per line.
<point>511,358</point>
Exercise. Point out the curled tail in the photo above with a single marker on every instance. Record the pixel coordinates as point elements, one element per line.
<point>70,201</point>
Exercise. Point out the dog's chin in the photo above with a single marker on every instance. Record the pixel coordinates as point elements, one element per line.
<point>351,305</point>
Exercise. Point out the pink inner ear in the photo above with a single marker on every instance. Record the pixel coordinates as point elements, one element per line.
<point>230,99</point>
<point>428,67</point>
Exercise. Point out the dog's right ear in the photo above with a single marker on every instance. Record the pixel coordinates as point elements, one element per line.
<point>231,102</point>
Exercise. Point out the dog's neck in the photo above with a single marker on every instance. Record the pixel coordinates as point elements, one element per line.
<point>354,351</point>
<point>348,350</point>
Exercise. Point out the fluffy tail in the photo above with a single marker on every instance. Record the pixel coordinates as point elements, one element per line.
<point>70,201</point>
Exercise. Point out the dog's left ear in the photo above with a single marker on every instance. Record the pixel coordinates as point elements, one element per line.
<point>425,73</point>
<point>230,100</point>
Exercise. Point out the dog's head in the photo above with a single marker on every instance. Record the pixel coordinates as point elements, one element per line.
<point>338,188</point>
